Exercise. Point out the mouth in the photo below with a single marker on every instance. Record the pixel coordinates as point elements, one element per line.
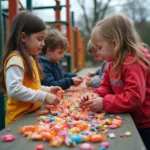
<point>39,49</point>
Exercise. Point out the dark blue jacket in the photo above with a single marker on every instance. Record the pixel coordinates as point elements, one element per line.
<point>54,74</point>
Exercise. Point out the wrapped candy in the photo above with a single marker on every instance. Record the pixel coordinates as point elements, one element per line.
<point>56,141</point>
<point>8,138</point>
<point>98,138</point>
<point>69,142</point>
<point>86,146</point>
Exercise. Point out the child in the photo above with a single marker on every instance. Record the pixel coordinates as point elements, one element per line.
<point>98,74</point>
<point>52,53</point>
<point>20,72</point>
<point>126,83</point>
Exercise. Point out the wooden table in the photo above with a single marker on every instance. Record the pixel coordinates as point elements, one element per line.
<point>133,142</point>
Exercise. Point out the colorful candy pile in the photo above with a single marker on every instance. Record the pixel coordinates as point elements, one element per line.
<point>68,123</point>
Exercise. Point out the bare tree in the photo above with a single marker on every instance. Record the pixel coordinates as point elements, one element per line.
<point>98,12</point>
<point>138,10</point>
<point>135,9</point>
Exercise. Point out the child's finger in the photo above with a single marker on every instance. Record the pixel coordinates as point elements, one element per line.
<point>87,103</point>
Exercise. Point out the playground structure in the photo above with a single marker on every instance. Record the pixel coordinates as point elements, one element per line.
<point>75,56</point>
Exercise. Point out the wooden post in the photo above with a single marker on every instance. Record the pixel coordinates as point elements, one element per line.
<point>57,14</point>
<point>69,33</point>
<point>13,10</point>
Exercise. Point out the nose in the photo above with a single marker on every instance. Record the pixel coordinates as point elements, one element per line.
<point>98,52</point>
<point>43,43</point>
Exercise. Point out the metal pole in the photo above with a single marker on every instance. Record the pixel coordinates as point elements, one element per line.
<point>29,4</point>
<point>2,104</point>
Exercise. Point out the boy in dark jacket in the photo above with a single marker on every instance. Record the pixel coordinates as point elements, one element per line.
<point>52,53</point>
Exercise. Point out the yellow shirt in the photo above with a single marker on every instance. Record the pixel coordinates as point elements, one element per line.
<point>17,108</point>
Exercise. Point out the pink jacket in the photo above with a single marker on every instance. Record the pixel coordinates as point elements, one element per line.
<point>129,94</point>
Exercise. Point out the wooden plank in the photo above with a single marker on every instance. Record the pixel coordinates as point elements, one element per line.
<point>133,142</point>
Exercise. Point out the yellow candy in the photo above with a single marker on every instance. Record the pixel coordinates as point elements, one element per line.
<point>128,133</point>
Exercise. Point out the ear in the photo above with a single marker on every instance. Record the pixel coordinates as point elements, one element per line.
<point>114,43</point>
<point>49,50</point>
<point>23,37</point>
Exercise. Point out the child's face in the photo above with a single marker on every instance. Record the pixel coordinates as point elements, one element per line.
<point>105,49</point>
<point>57,55</point>
<point>97,57</point>
<point>35,42</point>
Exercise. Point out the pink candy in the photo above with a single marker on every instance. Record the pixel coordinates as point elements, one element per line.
<point>113,126</point>
<point>105,144</point>
<point>39,147</point>
<point>86,146</point>
<point>8,138</point>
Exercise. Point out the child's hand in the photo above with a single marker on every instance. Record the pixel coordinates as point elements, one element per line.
<point>76,81</point>
<point>55,89</point>
<point>51,99</point>
<point>88,83</point>
<point>94,104</point>
<point>87,97</point>
<point>92,74</point>
<point>79,77</point>
<point>84,98</point>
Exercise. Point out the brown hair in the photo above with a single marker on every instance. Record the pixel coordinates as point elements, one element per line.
<point>120,29</point>
<point>28,23</point>
<point>91,47</point>
<point>55,39</point>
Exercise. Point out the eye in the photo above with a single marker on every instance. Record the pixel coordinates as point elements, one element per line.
<point>40,39</point>
<point>98,47</point>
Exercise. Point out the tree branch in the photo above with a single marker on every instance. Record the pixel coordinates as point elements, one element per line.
<point>82,5</point>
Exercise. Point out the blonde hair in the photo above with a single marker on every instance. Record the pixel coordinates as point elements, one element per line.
<point>55,39</point>
<point>120,29</point>
<point>91,47</point>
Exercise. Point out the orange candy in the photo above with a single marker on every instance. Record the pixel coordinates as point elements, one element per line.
<point>56,141</point>
<point>98,138</point>
<point>49,106</point>
<point>46,136</point>
<point>60,93</point>
<point>83,125</point>
<point>42,112</point>
<point>29,128</point>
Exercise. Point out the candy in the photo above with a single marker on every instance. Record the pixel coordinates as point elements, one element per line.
<point>8,138</point>
<point>86,146</point>
<point>128,133</point>
<point>113,126</point>
<point>122,135</point>
<point>69,142</point>
<point>69,124</point>
<point>105,144</point>
<point>111,135</point>
<point>39,147</point>
<point>8,130</point>
<point>98,138</point>
<point>102,148</point>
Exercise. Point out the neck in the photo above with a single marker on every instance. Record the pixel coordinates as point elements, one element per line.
<point>47,57</point>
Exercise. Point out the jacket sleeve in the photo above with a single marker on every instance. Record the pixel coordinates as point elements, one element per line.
<point>70,74</point>
<point>98,70</point>
<point>48,80</point>
<point>105,87</point>
<point>134,90</point>
<point>95,81</point>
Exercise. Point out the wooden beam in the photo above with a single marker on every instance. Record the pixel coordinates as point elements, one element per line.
<point>13,10</point>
